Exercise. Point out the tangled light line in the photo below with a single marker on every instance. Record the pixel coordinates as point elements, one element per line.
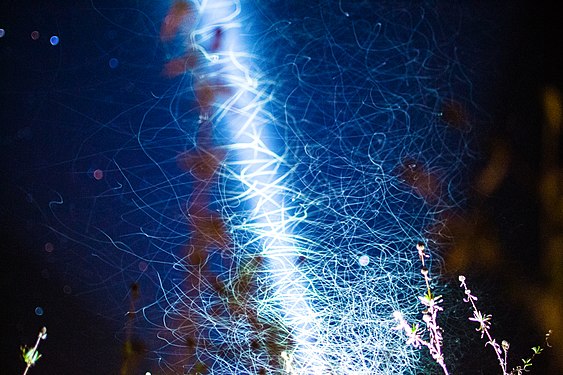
<point>322,147</point>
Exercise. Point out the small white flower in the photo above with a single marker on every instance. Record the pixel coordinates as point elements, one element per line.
<point>483,320</point>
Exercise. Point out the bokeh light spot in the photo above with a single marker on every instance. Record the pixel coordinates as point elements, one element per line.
<point>2,33</point>
<point>113,63</point>
<point>98,174</point>
<point>54,40</point>
<point>143,266</point>
<point>35,35</point>
<point>38,311</point>
<point>49,247</point>
<point>363,260</point>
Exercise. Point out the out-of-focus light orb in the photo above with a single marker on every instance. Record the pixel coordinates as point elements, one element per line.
<point>54,40</point>
<point>49,247</point>
<point>2,33</point>
<point>98,174</point>
<point>38,311</point>
<point>363,260</point>
<point>113,63</point>
<point>35,35</point>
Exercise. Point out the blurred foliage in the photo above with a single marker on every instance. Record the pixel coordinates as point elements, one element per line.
<point>528,277</point>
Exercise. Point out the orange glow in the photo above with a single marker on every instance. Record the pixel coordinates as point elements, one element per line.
<point>208,229</point>
<point>206,94</point>
<point>455,115</point>
<point>180,65</point>
<point>426,184</point>
<point>178,13</point>
<point>201,163</point>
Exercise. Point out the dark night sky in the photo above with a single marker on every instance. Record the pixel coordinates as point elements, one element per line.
<point>526,43</point>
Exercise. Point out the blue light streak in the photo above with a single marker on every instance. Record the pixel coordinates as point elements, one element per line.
<point>263,174</point>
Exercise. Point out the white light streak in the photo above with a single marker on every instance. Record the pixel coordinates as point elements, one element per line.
<point>263,174</point>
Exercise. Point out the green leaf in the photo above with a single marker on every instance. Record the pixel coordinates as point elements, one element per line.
<point>537,349</point>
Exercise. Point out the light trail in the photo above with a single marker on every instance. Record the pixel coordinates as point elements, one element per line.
<point>263,175</point>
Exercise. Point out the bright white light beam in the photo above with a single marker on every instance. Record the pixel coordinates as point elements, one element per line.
<point>263,173</point>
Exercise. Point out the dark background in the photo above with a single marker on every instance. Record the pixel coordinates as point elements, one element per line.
<point>525,39</point>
